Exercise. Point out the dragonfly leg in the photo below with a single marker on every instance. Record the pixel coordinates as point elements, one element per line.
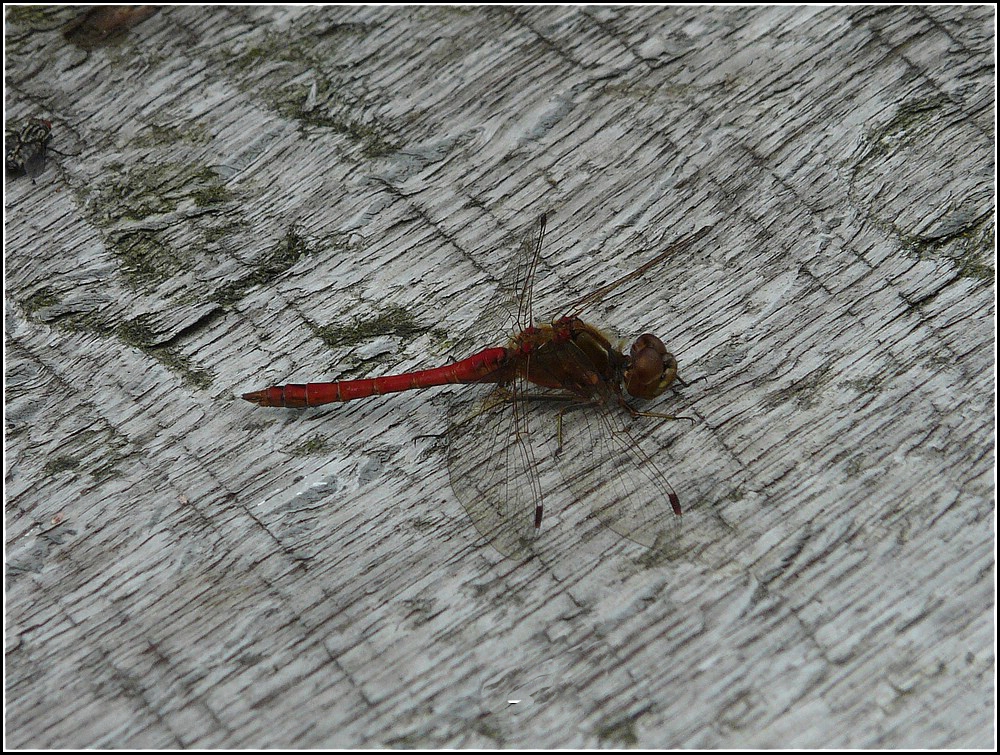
<point>685,383</point>
<point>559,417</point>
<point>658,415</point>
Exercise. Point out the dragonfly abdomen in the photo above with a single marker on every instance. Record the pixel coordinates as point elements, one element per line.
<point>489,365</point>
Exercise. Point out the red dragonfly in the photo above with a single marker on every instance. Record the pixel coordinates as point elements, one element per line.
<point>498,432</point>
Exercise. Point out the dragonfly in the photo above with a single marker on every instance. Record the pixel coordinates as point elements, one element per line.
<point>557,392</point>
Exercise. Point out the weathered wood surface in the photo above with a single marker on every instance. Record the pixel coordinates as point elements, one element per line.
<point>186,570</point>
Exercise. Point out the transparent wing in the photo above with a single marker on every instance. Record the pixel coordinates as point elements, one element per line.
<point>492,440</point>
<point>507,311</point>
<point>491,463</point>
<point>607,468</point>
<point>675,248</point>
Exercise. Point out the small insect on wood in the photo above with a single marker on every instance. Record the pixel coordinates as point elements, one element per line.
<point>26,147</point>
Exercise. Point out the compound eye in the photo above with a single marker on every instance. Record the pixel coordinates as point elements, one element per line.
<point>651,368</point>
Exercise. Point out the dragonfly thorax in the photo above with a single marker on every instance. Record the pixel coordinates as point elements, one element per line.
<point>568,353</point>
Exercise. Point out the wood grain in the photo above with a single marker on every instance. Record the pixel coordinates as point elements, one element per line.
<point>248,196</point>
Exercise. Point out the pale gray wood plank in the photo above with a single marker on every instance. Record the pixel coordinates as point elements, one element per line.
<point>186,570</point>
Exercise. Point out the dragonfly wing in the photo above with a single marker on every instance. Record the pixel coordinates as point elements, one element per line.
<point>502,316</point>
<point>606,467</point>
<point>674,249</point>
<point>491,463</point>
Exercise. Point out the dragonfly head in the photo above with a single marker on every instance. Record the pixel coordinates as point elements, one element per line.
<point>651,368</point>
